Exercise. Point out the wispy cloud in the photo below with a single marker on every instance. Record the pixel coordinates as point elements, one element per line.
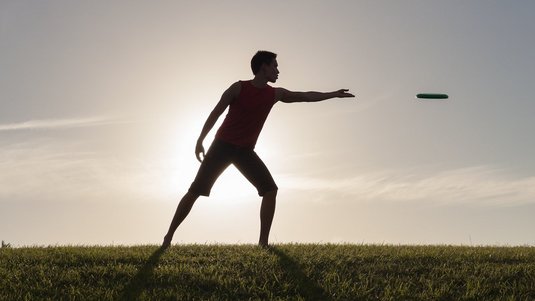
<point>481,185</point>
<point>43,124</point>
<point>46,170</point>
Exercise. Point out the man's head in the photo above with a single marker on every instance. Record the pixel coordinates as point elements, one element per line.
<point>265,63</point>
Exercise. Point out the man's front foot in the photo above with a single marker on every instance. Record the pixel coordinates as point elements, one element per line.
<point>263,244</point>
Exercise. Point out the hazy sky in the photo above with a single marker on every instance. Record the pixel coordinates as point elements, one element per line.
<point>101,103</point>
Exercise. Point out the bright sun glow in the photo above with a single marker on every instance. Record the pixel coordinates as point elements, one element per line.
<point>231,186</point>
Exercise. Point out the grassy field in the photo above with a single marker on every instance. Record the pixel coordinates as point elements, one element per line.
<point>283,272</point>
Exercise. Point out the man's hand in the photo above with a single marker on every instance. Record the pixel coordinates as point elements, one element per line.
<point>342,93</point>
<point>199,149</point>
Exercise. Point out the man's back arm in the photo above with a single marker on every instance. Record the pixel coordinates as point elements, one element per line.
<point>228,96</point>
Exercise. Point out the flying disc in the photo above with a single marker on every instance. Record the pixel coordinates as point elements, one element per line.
<point>432,96</point>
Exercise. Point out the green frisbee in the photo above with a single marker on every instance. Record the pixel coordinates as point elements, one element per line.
<point>432,96</point>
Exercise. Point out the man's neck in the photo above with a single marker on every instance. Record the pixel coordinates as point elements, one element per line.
<point>259,82</point>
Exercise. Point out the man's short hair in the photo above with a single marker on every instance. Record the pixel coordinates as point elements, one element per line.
<point>260,58</point>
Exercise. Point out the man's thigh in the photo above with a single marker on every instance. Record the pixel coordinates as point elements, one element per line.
<point>254,169</point>
<point>217,159</point>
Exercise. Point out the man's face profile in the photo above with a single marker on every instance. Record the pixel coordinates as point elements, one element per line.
<point>271,71</point>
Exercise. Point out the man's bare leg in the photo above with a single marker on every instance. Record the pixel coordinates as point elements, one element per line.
<point>182,211</point>
<point>267,210</point>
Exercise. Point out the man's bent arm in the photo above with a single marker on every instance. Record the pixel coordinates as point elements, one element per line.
<point>228,96</point>
<point>312,96</point>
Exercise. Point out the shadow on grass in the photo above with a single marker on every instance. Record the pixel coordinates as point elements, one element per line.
<point>194,285</point>
<point>308,288</point>
<point>191,286</point>
<point>135,287</point>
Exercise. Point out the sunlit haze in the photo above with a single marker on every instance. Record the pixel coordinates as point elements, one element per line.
<point>101,103</point>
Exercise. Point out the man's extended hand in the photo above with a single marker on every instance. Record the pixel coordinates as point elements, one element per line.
<point>342,93</point>
<point>199,149</point>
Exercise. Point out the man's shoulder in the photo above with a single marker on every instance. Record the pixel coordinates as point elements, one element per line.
<point>235,88</point>
<point>243,82</point>
<point>279,93</point>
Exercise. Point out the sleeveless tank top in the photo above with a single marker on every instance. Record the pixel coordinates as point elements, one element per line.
<point>246,115</point>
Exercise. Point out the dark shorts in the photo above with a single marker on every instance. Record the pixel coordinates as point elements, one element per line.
<point>219,156</point>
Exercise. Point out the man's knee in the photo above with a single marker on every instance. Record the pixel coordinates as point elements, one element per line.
<point>193,194</point>
<point>191,197</point>
<point>271,193</point>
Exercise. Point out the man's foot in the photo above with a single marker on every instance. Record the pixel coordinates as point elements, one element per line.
<point>166,242</point>
<point>263,245</point>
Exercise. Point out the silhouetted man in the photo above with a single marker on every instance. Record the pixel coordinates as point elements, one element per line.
<point>249,104</point>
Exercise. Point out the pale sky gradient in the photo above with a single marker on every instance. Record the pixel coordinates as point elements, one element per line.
<point>101,103</point>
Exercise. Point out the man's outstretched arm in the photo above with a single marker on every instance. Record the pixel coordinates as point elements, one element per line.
<point>312,96</point>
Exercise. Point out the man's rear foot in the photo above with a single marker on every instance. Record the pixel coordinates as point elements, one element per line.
<point>166,242</point>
